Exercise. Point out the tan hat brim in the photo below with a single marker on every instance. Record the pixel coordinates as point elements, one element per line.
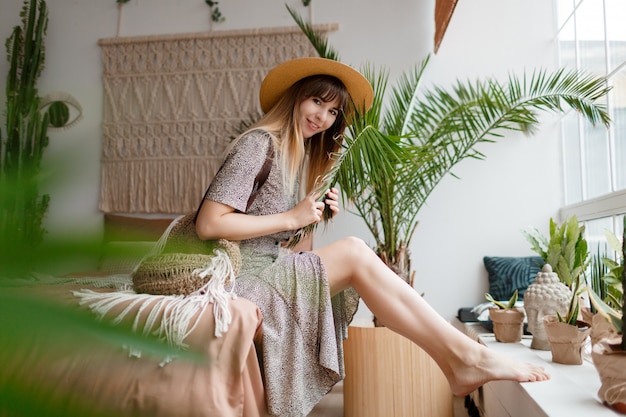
<point>284,75</point>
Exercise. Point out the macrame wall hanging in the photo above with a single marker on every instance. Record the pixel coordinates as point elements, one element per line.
<point>172,104</point>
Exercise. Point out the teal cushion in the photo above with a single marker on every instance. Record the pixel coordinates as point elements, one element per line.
<point>506,274</point>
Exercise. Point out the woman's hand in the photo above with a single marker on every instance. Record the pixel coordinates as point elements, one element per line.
<point>310,211</point>
<point>332,201</point>
<point>306,212</point>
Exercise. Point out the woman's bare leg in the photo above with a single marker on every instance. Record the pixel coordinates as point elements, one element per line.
<point>465,363</point>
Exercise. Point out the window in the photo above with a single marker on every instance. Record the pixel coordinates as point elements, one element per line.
<point>591,36</point>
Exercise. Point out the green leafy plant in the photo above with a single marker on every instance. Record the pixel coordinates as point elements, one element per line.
<point>614,314</point>
<point>613,278</point>
<point>606,273</point>
<point>613,306</point>
<point>395,155</point>
<point>26,317</point>
<point>566,249</point>
<point>503,306</point>
<point>594,276</point>
<point>573,308</point>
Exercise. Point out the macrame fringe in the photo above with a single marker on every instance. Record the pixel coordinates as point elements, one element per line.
<point>171,317</point>
<point>159,186</point>
<point>221,272</point>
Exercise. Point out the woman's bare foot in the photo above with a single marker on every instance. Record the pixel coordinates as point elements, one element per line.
<point>486,365</point>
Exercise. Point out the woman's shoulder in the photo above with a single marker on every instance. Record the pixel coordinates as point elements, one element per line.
<point>253,144</point>
<point>257,139</point>
<point>257,134</point>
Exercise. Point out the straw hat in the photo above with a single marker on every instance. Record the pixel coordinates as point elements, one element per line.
<point>284,75</point>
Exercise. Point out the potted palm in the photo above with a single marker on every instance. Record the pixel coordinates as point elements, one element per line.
<point>395,155</point>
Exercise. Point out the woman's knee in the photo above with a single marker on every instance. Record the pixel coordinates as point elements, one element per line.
<point>355,248</point>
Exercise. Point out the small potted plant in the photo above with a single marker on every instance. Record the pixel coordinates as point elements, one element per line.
<point>609,358</point>
<point>567,335</point>
<point>565,250</point>
<point>507,319</point>
<point>609,352</point>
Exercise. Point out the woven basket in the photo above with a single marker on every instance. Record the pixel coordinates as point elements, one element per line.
<point>175,271</point>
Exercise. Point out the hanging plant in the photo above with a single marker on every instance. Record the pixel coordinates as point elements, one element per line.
<point>216,14</point>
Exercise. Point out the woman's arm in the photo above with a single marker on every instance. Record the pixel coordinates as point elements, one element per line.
<point>220,221</point>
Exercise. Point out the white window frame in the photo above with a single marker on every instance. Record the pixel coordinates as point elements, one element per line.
<point>613,204</point>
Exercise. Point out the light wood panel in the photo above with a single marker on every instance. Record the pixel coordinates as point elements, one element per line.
<point>387,375</point>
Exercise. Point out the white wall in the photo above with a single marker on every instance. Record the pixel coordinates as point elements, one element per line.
<point>483,213</point>
<point>519,183</point>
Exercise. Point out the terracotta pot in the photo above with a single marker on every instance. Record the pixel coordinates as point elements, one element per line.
<point>566,341</point>
<point>508,324</point>
<point>610,362</point>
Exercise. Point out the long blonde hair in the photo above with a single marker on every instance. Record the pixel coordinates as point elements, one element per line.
<point>311,157</point>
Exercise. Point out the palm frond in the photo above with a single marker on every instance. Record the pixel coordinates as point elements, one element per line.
<point>378,80</point>
<point>317,39</point>
<point>403,98</point>
<point>452,124</point>
<point>366,149</point>
<point>369,149</point>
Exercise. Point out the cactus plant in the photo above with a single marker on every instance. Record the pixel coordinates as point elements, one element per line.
<point>22,207</point>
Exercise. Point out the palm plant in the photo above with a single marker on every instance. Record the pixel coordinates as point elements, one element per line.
<point>398,154</point>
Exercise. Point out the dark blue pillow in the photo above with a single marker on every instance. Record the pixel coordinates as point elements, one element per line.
<point>506,274</point>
